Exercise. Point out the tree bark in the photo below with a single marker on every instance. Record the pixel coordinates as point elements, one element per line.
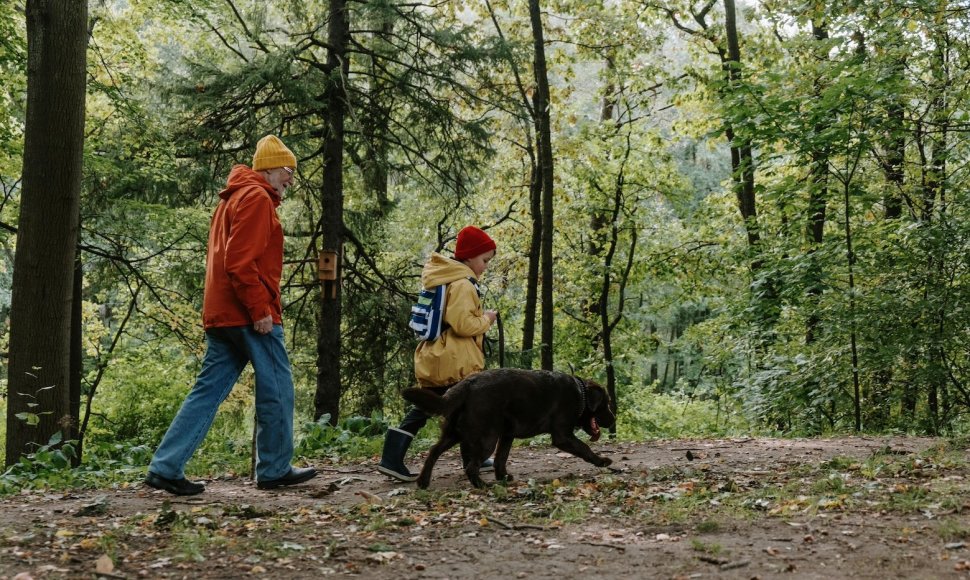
<point>606,251</point>
<point>532,277</point>
<point>743,173</point>
<point>327,399</point>
<point>817,201</point>
<point>39,379</point>
<point>935,207</point>
<point>742,159</point>
<point>546,174</point>
<point>374,128</point>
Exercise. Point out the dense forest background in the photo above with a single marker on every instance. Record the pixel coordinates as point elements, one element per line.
<point>757,219</point>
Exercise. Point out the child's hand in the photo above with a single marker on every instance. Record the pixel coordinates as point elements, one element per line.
<point>491,315</point>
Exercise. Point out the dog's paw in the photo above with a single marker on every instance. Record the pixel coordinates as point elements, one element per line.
<point>604,461</point>
<point>423,483</point>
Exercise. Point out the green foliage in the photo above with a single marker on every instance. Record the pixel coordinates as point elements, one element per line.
<point>48,463</point>
<point>49,467</point>
<point>644,413</point>
<point>353,436</point>
<point>140,396</point>
<point>13,71</point>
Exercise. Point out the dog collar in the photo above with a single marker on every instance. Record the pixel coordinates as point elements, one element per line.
<point>581,384</point>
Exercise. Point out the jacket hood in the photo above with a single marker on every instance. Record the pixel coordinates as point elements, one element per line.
<point>241,176</point>
<point>441,270</point>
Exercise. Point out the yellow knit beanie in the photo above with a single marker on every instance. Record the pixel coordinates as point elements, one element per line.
<point>271,153</point>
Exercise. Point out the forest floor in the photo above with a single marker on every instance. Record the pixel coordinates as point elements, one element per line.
<point>860,507</point>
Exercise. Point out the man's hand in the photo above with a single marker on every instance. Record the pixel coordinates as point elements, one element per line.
<point>491,315</point>
<point>264,325</point>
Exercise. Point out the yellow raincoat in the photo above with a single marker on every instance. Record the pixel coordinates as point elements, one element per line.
<point>457,353</point>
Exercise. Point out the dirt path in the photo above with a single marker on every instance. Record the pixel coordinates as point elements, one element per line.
<point>862,507</point>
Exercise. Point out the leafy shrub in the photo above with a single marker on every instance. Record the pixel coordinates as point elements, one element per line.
<point>139,396</point>
<point>353,436</point>
<point>50,466</point>
<point>644,413</point>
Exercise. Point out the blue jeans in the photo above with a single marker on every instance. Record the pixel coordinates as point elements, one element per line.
<point>228,350</point>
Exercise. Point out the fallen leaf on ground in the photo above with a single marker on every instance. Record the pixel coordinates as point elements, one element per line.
<point>369,497</point>
<point>383,556</point>
<point>104,565</point>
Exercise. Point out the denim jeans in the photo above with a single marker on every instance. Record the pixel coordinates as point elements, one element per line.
<point>228,350</point>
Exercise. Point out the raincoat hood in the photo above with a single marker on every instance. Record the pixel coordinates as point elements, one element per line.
<point>242,176</point>
<point>244,261</point>
<point>440,270</point>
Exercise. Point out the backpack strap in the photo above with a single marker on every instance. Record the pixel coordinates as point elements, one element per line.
<point>475,284</point>
<point>445,325</point>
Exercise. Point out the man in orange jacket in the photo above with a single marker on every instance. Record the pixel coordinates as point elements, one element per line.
<point>242,315</point>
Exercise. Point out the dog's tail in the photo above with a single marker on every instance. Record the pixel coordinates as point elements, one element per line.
<point>428,401</point>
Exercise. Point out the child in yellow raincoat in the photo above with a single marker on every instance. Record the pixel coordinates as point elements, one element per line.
<point>457,353</point>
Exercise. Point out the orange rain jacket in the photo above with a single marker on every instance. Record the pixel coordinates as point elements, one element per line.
<point>245,258</point>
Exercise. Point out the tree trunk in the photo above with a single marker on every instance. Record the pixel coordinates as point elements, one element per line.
<point>742,160</point>
<point>895,153</point>
<point>935,207</point>
<point>728,47</point>
<point>599,247</point>
<point>544,137</point>
<point>77,352</point>
<point>817,201</point>
<point>375,174</point>
<point>853,340</point>
<point>532,278</point>
<point>327,400</point>
<point>39,379</point>
<point>742,171</point>
<point>374,127</point>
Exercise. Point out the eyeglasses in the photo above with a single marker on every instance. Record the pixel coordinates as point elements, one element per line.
<point>288,170</point>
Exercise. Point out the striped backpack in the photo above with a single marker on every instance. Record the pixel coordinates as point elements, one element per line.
<point>428,313</point>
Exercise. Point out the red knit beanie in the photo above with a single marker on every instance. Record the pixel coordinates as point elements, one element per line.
<point>472,242</point>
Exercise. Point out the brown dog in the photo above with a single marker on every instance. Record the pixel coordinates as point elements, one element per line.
<point>497,406</point>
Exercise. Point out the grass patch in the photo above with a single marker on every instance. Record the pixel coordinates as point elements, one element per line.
<point>710,549</point>
<point>708,527</point>
<point>839,463</point>
<point>570,512</point>
<point>952,530</point>
<point>908,498</point>
<point>192,543</point>
<point>833,483</point>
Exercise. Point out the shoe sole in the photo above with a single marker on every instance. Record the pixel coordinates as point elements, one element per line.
<point>396,475</point>
<point>484,468</point>
<point>161,486</point>
<point>295,481</point>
